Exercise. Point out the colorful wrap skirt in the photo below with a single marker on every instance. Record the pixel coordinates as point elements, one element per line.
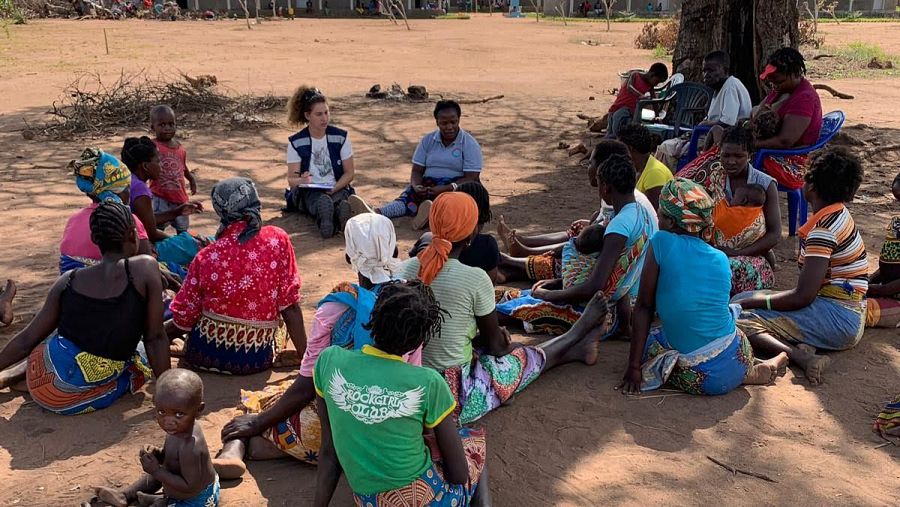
<point>543,267</point>
<point>233,346</point>
<point>487,382</point>
<point>888,421</point>
<point>828,323</point>
<point>883,312</point>
<point>716,368</point>
<point>788,170</point>
<point>430,489</point>
<point>300,435</point>
<point>63,379</point>
<point>209,497</point>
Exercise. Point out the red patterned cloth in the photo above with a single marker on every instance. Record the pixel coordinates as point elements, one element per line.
<point>252,282</point>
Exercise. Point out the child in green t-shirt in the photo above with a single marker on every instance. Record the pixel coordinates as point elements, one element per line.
<point>373,408</point>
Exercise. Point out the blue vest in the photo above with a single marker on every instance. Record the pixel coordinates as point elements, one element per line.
<point>334,137</point>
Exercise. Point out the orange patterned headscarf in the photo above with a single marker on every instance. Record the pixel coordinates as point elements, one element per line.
<point>453,218</point>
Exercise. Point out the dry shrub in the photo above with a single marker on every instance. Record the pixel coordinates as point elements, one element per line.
<point>809,36</point>
<point>92,107</point>
<point>658,34</point>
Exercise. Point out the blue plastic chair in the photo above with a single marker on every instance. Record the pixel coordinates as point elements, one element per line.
<point>831,125</point>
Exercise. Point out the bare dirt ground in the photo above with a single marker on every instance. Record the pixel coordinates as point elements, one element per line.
<point>570,439</point>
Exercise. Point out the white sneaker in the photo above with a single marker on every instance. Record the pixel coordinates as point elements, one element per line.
<point>420,221</point>
<point>358,206</point>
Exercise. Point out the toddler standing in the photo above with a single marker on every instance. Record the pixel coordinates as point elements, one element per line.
<point>168,190</point>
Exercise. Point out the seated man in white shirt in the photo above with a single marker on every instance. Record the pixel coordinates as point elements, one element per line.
<point>730,103</point>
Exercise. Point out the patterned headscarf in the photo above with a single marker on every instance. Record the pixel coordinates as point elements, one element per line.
<point>235,199</point>
<point>100,175</point>
<point>687,203</point>
<point>371,241</point>
<point>453,217</point>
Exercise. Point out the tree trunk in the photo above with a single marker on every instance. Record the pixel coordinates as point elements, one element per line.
<point>749,31</point>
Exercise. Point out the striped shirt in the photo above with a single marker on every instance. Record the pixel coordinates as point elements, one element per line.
<point>832,234</point>
<point>465,293</point>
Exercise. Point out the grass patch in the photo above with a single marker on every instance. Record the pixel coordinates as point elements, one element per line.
<point>862,52</point>
<point>660,52</point>
<point>453,16</point>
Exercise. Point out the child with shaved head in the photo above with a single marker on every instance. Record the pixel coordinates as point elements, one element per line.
<point>183,468</point>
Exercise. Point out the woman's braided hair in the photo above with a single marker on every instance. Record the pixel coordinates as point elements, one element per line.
<point>788,61</point>
<point>740,135</point>
<point>482,199</point>
<point>137,151</point>
<point>405,316</point>
<point>618,172</point>
<point>111,223</point>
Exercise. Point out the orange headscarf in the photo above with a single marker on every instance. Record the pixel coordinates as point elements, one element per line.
<point>453,218</point>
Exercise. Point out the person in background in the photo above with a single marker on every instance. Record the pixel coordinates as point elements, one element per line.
<point>168,189</point>
<point>633,88</point>
<point>651,173</point>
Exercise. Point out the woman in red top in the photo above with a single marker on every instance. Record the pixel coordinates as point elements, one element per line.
<point>800,113</point>
<point>239,289</point>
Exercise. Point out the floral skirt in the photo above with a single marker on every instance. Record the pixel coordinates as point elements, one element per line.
<point>300,435</point>
<point>750,273</point>
<point>487,382</point>
<point>63,379</point>
<point>716,368</point>
<point>430,489</point>
<point>232,346</point>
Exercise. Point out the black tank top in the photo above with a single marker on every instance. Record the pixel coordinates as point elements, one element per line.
<point>109,327</point>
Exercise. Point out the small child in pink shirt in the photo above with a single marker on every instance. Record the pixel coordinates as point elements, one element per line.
<point>168,190</point>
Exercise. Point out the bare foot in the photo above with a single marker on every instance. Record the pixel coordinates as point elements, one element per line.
<point>148,500</point>
<point>287,358</point>
<point>176,347</point>
<point>6,299</point>
<point>506,234</point>
<point>111,496</point>
<point>765,372</point>
<point>815,365</point>
<point>580,148</point>
<point>594,315</point>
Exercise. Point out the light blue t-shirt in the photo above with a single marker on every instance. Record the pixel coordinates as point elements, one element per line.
<point>634,222</point>
<point>692,290</point>
<point>462,156</point>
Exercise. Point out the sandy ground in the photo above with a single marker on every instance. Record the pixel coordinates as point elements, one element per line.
<point>570,439</point>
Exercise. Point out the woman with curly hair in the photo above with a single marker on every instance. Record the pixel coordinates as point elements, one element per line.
<point>827,309</point>
<point>320,163</point>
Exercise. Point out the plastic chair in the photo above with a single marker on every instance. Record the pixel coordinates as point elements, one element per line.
<point>831,125</point>
<point>691,102</point>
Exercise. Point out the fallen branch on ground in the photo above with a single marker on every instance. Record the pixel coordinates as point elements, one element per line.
<point>819,57</point>
<point>833,92</point>
<point>670,430</point>
<point>875,150</point>
<point>480,101</point>
<point>735,471</point>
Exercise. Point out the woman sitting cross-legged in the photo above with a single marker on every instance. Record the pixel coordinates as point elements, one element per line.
<point>104,323</point>
<point>444,159</point>
<point>239,289</point>
<point>827,308</point>
<point>697,348</point>
<point>281,420</point>
<point>557,299</point>
<point>483,368</point>
<point>374,409</point>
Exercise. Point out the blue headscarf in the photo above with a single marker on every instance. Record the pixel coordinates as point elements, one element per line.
<point>100,175</point>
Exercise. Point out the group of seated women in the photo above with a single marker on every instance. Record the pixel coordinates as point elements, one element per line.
<point>413,348</point>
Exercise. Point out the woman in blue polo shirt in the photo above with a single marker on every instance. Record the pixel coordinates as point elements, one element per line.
<point>443,160</point>
<point>320,163</point>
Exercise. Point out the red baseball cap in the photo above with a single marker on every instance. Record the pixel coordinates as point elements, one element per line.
<point>769,70</point>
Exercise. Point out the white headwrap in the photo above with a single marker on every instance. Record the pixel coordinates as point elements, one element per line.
<point>370,245</point>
